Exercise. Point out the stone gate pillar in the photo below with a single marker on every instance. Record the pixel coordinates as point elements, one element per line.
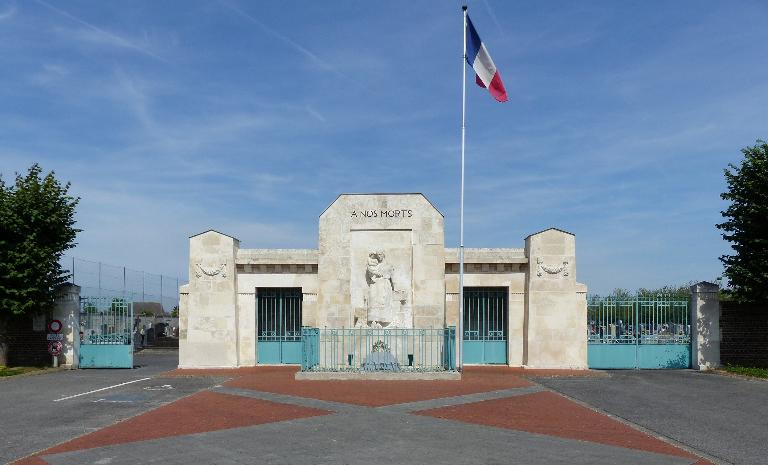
<point>705,326</point>
<point>555,324</point>
<point>66,308</point>
<point>208,323</point>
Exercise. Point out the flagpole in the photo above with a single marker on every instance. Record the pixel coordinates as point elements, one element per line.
<point>460,355</point>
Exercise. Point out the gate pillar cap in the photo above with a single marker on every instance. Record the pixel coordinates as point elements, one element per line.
<point>550,229</point>
<point>214,231</point>
<point>705,286</point>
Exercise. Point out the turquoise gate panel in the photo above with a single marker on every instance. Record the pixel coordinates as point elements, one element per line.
<point>310,353</point>
<point>474,352</point>
<point>106,327</point>
<point>649,332</point>
<point>279,325</point>
<point>485,325</point>
<point>655,356</point>
<point>611,356</point>
<point>269,352</point>
<point>106,356</point>
<point>291,352</point>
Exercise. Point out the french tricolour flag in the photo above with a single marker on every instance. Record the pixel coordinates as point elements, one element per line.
<point>486,74</point>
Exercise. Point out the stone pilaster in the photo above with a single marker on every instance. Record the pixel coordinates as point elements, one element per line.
<point>209,317</point>
<point>555,324</point>
<point>705,326</point>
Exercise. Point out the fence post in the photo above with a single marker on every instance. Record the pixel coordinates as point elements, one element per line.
<point>637,335</point>
<point>705,326</point>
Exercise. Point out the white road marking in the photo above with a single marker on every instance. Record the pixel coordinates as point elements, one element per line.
<point>164,387</point>
<point>102,389</point>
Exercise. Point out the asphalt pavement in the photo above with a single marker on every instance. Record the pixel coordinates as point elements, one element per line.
<point>41,410</point>
<point>725,417</point>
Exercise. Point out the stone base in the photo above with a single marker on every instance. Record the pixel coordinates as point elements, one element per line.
<point>379,375</point>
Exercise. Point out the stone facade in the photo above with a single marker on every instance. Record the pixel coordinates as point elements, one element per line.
<point>382,262</point>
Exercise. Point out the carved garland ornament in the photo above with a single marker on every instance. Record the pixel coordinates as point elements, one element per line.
<point>550,269</point>
<point>211,271</point>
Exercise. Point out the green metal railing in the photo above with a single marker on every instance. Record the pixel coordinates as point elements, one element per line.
<point>106,320</point>
<point>279,314</point>
<point>364,349</point>
<point>638,320</point>
<point>485,313</point>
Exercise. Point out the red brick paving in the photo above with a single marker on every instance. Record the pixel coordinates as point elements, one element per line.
<point>542,412</point>
<point>553,415</point>
<point>375,393</point>
<point>198,413</point>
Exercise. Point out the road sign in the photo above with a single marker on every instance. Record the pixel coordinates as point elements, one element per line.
<point>55,326</point>
<point>55,337</point>
<point>54,347</point>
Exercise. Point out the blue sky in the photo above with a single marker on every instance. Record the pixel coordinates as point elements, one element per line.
<point>170,118</point>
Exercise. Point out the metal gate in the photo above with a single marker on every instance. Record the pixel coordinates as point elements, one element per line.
<point>106,327</point>
<point>642,332</point>
<point>279,324</point>
<point>485,325</point>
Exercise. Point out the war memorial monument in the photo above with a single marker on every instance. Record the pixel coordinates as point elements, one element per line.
<point>382,268</point>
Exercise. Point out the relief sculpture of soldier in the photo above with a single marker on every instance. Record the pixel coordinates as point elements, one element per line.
<point>383,298</point>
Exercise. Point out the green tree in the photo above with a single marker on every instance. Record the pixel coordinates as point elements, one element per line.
<point>175,312</point>
<point>37,218</point>
<point>746,225</point>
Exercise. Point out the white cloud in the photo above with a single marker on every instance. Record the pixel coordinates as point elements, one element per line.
<point>97,35</point>
<point>301,49</point>
<point>49,73</point>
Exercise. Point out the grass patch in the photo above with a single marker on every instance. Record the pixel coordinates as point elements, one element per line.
<point>13,371</point>
<point>747,371</point>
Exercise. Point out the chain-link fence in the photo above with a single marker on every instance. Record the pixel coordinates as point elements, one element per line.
<point>99,279</point>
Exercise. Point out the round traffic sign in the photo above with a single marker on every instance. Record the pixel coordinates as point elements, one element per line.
<point>55,347</point>
<point>55,326</point>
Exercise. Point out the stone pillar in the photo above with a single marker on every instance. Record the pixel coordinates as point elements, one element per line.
<point>208,322</point>
<point>183,320</point>
<point>705,326</point>
<point>66,309</point>
<point>555,325</point>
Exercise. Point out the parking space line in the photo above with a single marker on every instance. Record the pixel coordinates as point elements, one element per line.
<point>102,389</point>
